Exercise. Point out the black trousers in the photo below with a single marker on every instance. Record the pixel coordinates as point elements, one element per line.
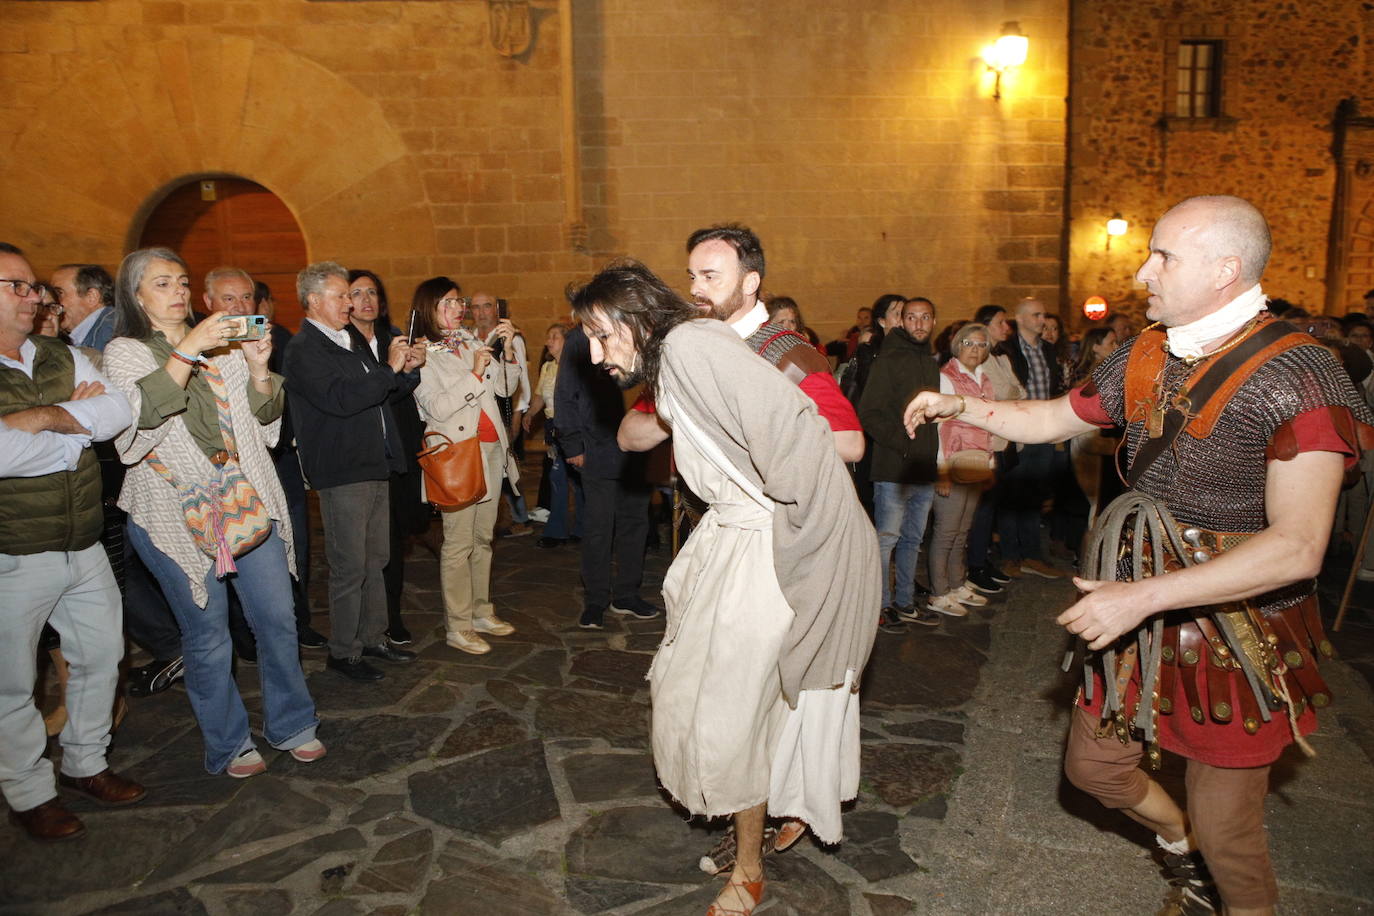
<point>615,526</point>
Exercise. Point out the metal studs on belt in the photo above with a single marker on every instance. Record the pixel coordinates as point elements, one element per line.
<point>1190,656</point>
<point>1201,556</point>
<point>1166,705</point>
<point>1326,648</point>
<point>1221,710</point>
<point>1251,725</point>
<point>1167,653</point>
<point>1321,700</point>
<point>1293,658</point>
<point>1193,536</point>
<point>1197,714</point>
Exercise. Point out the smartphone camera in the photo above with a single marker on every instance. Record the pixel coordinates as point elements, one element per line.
<point>248,327</point>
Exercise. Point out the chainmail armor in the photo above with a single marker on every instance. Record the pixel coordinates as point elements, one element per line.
<point>783,342</point>
<point>1218,482</point>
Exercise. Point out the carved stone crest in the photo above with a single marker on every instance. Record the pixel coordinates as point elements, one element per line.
<point>512,26</point>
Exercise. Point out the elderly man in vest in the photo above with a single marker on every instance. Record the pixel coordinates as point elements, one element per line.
<point>53,404</point>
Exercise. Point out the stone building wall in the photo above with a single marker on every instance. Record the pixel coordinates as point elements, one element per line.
<point>859,140</point>
<point>1287,66</point>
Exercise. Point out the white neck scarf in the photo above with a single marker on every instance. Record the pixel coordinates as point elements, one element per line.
<point>1188,340</point>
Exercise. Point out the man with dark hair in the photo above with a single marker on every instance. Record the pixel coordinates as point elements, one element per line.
<point>1208,633</point>
<point>349,445</point>
<point>772,604</point>
<point>53,404</point>
<point>86,294</point>
<point>725,264</point>
<point>903,474</point>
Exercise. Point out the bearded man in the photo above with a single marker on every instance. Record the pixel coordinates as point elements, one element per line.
<point>773,602</point>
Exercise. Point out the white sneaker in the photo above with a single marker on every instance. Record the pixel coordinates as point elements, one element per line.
<point>468,641</point>
<point>965,595</point>
<point>1365,575</point>
<point>493,625</point>
<point>948,605</point>
<point>539,514</point>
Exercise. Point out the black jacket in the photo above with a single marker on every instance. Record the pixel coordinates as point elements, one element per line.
<point>340,404</point>
<point>403,406</point>
<point>1022,368</point>
<point>903,368</point>
<point>588,408</point>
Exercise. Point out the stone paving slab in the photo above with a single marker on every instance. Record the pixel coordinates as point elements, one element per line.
<point>520,782</point>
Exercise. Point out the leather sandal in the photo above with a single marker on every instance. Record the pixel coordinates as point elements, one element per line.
<point>788,834</point>
<point>754,889</point>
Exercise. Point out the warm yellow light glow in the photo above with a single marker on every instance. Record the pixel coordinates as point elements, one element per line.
<point>1008,51</point>
<point>1117,226</point>
<point>1095,308</point>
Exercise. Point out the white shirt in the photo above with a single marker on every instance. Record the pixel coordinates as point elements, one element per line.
<point>81,330</point>
<point>340,336</point>
<point>751,321</point>
<point>25,454</point>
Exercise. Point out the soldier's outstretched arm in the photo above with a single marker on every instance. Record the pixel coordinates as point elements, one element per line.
<point>1019,421</point>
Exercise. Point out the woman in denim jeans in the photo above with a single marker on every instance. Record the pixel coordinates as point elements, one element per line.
<point>556,528</point>
<point>185,384</point>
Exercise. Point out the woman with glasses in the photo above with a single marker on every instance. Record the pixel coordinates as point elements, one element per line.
<point>454,400</point>
<point>203,407</point>
<point>965,465</point>
<point>371,320</point>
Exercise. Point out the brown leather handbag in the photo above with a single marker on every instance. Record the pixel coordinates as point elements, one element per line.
<point>454,478</point>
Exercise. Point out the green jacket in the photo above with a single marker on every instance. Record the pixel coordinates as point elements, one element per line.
<point>903,368</point>
<point>60,511</point>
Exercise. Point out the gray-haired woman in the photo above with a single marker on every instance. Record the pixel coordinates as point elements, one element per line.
<point>201,409</point>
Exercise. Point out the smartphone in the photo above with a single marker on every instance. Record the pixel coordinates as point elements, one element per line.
<point>502,310</point>
<point>248,327</point>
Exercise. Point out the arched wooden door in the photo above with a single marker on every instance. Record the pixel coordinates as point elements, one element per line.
<point>231,222</point>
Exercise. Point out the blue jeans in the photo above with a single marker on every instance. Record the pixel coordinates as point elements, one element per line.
<point>560,476</point>
<point>900,513</point>
<point>264,587</point>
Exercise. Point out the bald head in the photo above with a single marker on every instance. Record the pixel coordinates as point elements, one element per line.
<point>1229,227</point>
<point>1030,318</point>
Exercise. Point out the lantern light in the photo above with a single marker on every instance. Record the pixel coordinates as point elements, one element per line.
<point>1008,51</point>
<point>1095,308</point>
<point>1116,225</point>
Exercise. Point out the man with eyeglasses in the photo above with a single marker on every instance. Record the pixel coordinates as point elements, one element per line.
<point>85,293</point>
<point>903,471</point>
<point>53,404</point>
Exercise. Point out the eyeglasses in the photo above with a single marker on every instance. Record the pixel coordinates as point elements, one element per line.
<point>54,307</point>
<point>979,344</point>
<point>451,301</point>
<point>364,293</point>
<point>23,288</point>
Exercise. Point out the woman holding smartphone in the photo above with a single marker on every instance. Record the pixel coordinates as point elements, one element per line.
<point>201,408</point>
<point>455,400</point>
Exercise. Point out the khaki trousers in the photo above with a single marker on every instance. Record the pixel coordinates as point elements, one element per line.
<point>1225,807</point>
<point>465,559</point>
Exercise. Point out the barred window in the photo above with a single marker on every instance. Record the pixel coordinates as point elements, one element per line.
<point>1198,92</point>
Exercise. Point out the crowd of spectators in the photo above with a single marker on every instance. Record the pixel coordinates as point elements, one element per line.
<point>127,415</point>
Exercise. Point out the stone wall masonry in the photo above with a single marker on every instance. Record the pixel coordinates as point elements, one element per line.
<point>861,142</point>
<point>1285,70</point>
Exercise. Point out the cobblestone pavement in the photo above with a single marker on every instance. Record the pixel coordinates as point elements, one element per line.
<point>520,782</point>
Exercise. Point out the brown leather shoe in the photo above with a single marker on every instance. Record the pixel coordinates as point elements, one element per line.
<point>49,822</point>
<point>108,788</point>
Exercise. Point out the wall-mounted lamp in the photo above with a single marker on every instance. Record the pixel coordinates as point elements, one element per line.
<point>1116,226</point>
<point>1008,51</point>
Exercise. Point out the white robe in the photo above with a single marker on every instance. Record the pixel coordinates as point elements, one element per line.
<point>724,739</point>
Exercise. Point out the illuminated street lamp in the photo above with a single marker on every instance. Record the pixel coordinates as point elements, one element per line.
<point>1008,51</point>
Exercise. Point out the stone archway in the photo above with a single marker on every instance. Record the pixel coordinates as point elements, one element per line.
<point>159,112</point>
